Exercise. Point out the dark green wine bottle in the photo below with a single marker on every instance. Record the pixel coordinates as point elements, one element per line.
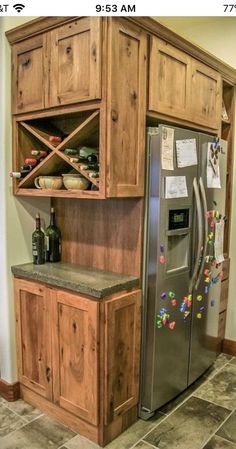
<point>38,243</point>
<point>53,240</point>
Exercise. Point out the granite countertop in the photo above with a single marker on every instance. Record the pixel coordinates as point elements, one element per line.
<point>89,281</point>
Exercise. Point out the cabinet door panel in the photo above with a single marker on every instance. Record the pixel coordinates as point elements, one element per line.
<point>75,71</point>
<point>29,74</point>
<point>169,80</point>
<point>127,109</point>
<point>75,342</point>
<point>206,95</point>
<point>33,337</point>
<point>122,354</point>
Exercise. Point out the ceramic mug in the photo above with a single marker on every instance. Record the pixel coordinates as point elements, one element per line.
<point>75,181</point>
<point>48,182</point>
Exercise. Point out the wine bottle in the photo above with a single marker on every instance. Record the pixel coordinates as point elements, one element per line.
<point>93,167</point>
<point>18,174</point>
<point>38,243</point>
<point>24,170</point>
<point>91,158</point>
<point>74,159</point>
<point>71,151</point>
<point>31,161</point>
<point>94,174</point>
<point>41,153</point>
<point>55,139</point>
<point>53,240</point>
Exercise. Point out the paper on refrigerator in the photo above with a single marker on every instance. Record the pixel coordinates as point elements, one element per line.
<point>186,152</point>
<point>213,168</point>
<point>175,187</point>
<point>167,149</point>
<point>219,241</point>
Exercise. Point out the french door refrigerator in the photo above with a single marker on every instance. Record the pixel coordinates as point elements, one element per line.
<point>184,225</point>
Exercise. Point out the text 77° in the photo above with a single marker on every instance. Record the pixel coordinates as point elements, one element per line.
<point>229,7</point>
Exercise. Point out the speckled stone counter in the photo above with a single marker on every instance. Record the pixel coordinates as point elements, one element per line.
<point>88,281</point>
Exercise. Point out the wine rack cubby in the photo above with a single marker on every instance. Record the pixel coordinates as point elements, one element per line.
<point>54,134</point>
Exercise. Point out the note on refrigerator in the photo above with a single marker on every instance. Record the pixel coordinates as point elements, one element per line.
<point>219,241</point>
<point>186,152</point>
<point>175,187</point>
<point>167,149</point>
<point>213,167</point>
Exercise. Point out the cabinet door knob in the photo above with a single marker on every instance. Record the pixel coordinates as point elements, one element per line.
<point>48,374</point>
<point>114,115</point>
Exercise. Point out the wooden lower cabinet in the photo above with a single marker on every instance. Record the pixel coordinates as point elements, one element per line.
<point>34,337</point>
<point>75,354</point>
<point>122,348</point>
<point>78,357</point>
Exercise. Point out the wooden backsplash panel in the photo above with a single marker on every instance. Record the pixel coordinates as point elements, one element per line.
<point>104,234</point>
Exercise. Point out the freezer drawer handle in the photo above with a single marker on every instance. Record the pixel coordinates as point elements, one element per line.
<point>199,229</point>
<point>204,204</point>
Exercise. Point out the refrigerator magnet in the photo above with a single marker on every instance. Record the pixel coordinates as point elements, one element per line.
<point>183,307</point>
<point>171,295</point>
<point>163,295</point>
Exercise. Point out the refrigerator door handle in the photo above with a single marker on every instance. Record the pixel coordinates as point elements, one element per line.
<point>204,203</point>
<point>199,230</point>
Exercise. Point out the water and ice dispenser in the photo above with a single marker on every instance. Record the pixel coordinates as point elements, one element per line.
<point>178,240</point>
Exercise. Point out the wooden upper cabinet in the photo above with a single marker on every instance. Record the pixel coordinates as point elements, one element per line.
<point>127,56</point>
<point>29,74</point>
<point>33,336</point>
<point>206,95</point>
<point>75,355</point>
<point>169,80</point>
<point>182,87</point>
<point>75,62</point>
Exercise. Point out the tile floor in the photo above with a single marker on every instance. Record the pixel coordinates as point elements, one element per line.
<point>203,417</point>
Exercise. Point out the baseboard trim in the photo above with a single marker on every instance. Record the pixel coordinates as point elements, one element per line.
<point>10,392</point>
<point>229,347</point>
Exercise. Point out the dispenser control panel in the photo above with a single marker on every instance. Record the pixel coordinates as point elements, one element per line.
<point>178,219</point>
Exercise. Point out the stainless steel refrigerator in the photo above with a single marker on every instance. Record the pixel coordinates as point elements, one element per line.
<point>184,226</point>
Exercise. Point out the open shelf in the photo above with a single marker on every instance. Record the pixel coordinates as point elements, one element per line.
<point>74,131</point>
<point>227,134</point>
<point>61,193</point>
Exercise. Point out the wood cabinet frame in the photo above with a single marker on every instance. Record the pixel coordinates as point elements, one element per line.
<point>121,151</point>
<point>80,342</point>
<point>126,108</point>
<point>122,349</point>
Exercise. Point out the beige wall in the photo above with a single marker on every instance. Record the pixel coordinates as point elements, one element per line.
<point>214,34</point>
<point>16,214</point>
<point>218,36</point>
